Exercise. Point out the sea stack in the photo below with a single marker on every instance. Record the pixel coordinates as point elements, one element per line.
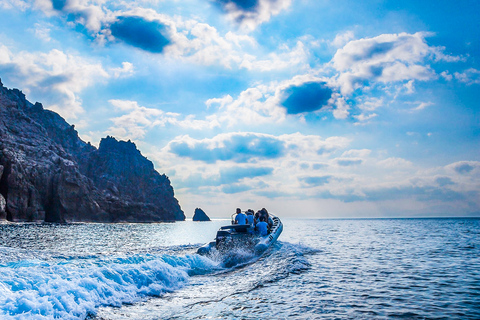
<point>200,215</point>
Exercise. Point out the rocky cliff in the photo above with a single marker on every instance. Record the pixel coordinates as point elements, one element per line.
<point>47,173</point>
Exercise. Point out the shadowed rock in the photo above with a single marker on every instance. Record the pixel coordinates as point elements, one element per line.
<point>47,173</point>
<point>200,215</point>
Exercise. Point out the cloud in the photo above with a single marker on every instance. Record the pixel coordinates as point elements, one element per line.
<point>395,163</point>
<point>277,101</point>
<point>385,58</point>
<point>251,13</point>
<point>175,37</point>
<point>422,105</point>
<point>420,193</point>
<point>469,76</point>
<point>10,4</point>
<point>315,181</point>
<point>342,38</point>
<point>126,70</point>
<point>465,167</point>
<point>91,15</point>
<point>246,5</point>
<point>289,57</point>
<point>138,120</point>
<point>236,174</point>
<point>235,188</point>
<point>54,78</point>
<point>42,31</point>
<point>308,97</point>
<point>136,31</point>
<point>232,179</point>
<point>444,181</point>
<point>237,147</point>
<point>349,162</point>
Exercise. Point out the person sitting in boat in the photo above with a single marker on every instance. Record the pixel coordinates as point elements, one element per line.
<point>264,214</point>
<point>270,222</point>
<point>240,218</point>
<point>262,227</point>
<point>250,218</point>
<point>256,218</point>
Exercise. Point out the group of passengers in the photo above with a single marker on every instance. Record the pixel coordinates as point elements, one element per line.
<point>260,221</point>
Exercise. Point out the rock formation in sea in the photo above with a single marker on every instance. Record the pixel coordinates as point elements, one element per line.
<point>200,215</point>
<point>47,173</point>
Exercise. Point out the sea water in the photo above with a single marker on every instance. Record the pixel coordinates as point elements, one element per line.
<point>318,269</point>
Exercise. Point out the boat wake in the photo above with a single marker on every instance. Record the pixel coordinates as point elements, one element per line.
<point>75,287</point>
<point>207,294</point>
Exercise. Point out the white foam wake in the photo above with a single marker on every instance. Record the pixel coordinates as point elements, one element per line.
<point>72,288</point>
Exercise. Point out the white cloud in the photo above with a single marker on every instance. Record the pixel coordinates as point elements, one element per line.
<point>42,31</point>
<point>469,76</point>
<point>138,120</point>
<point>357,153</point>
<point>342,38</point>
<point>422,105</point>
<point>395,163</point>
<point>127,69</point>
<point>364,118</point>
<point>190,40</point>
<point>55,78</point>
<point>90,14</point>
<point>297,56</point>
<point>10,4</point>
<point>385,58</point>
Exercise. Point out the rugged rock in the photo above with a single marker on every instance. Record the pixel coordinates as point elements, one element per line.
<point>3,203</point>
<point>47,173</point>
<point>200,215</point>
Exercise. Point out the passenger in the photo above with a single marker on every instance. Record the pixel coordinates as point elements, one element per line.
<point>240,218</point>
<point>250,217</point>
<point>265,213</point>
<point>257,217</point>
<point>262,227</point>
<point>270,222</point>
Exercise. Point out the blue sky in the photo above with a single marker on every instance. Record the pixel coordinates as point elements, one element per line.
<point>309,108</point>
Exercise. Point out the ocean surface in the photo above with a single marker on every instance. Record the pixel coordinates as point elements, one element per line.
<point>319,269</point>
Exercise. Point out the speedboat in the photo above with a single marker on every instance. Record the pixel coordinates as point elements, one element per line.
<point>243,236</point>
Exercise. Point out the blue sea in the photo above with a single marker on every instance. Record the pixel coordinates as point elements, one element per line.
<point>318,269</point>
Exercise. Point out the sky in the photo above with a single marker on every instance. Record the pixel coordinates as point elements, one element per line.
<point>309,108</point>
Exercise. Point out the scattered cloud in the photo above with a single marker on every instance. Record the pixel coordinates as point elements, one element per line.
<point>465,167</point>
<point>251,13</point>
<point>385,58</point>
<point>444,181</point>
<point>138,120</point>
<point>55,78</point>
<point>236,174</point>
<point>342,39</point>
<point>470,76</point>
<point>239,147</point>
<point>422,105</point>
<point>349,162</point>
<point>315,181</point>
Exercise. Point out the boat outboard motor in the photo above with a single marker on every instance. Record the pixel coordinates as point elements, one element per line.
<point>222,236</point>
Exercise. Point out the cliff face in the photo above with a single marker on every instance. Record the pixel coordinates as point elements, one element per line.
<point>47,173</point>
